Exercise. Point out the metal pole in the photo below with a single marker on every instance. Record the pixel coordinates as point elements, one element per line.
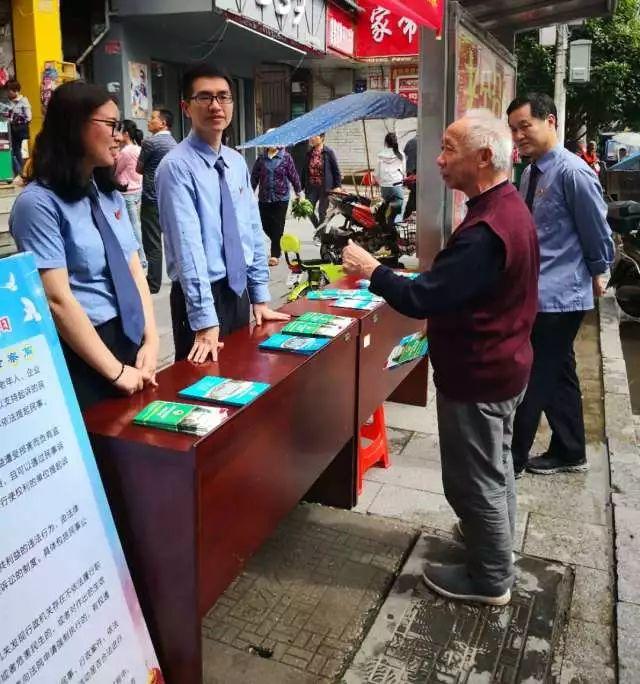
<point>366,149</point>
<point>560,95</point>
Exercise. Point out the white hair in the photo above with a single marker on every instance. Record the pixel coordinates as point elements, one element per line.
<point>486,131</point>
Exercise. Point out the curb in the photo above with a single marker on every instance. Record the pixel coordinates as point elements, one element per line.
<point>624,465</point>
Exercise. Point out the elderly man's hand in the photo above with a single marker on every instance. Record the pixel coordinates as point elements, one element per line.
<point>357,261</point>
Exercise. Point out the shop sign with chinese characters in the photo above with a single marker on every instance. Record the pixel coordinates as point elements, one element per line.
<point>340,31</point>
<point>405,82</point>
<point>381,33</point>
<point>69,610</point>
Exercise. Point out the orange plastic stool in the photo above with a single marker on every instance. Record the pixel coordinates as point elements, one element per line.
<point>377,451</point>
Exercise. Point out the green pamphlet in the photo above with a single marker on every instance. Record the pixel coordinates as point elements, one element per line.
<point>170,415</point>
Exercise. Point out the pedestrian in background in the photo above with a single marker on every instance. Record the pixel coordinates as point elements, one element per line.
<point>411,167</point>
<point>590,157</point>
<point>576,248</point>
<point>274,173</point>
<point>19,116</point>
<point>151,154</point>
<point>126,175</point>
<point>216,256</point>
<point>73,220</point>
<point>480,297</point>
<point>320,176</point>
<point>389,175</point>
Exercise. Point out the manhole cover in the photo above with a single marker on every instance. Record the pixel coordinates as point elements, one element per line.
<point>421,638</point>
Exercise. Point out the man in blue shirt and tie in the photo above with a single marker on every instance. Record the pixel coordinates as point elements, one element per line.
<point>216,257</point>
<point>576,248</point>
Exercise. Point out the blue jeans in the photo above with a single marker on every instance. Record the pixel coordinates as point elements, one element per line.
<point>394,197</point>
<point>132,201</point>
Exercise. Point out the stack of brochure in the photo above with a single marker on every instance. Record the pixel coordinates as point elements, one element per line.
<point>224,390</point>
<point>343,294</point>
<point>317,325</point>
<point>408,349</point>
<point>294,343</point>
<point>357,304</point>
<point>170,415</point>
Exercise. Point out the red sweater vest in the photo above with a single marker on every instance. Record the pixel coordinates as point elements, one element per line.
<point>483,353</point>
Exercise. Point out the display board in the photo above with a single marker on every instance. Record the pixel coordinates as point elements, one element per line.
<point>484,80</point>
<point>69,610</point>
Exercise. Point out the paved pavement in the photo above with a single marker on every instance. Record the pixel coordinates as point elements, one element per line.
<point>563,518</point>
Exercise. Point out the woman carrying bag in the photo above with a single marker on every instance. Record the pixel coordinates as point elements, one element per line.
<point>274,172</point>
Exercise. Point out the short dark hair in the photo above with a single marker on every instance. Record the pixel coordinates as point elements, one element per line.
<point>166,116</point>
<point>14,85</point>
<point>202,71</point>
<point>58,153</point>
<point>542,106</point>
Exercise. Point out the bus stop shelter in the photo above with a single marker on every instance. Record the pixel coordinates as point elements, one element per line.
<point>472,65</point>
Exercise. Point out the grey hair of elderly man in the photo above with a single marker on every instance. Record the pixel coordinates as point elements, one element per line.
<point>477,152</point>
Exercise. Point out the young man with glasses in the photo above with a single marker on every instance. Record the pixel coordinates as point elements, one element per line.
<point>216,255</point>
<point>152,152</point>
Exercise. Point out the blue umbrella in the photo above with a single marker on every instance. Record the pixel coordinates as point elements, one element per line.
<point>371,104</point>
<point>630,163</point>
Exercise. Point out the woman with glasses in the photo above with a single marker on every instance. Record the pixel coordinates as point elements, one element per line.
<point>127,156</point>
<point>75,222</point>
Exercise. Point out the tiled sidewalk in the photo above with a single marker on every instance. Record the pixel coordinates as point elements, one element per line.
<point>564,518</point>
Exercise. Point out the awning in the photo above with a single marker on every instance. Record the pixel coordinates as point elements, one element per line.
<point>521,15</point>
<point>372,104</point>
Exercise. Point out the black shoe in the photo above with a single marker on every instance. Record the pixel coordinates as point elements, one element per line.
<point>453,582</point>
<point>549,465</point>
<point>517,474</point>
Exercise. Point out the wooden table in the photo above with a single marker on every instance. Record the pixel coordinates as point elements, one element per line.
<point>191,511</point>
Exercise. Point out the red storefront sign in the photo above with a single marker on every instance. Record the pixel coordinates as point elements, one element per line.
<point>340,31</point>
<point>427,13</point>
<point>381,33</point>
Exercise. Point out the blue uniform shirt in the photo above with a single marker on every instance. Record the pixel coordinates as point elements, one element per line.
<point>62,235</point>
<point>575,239</point>
<point>188,189</point>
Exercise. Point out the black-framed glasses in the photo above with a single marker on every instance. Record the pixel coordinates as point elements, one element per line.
<point>208,98</point>
<point>116,126</point>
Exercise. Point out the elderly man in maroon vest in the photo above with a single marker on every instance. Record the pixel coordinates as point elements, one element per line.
<point>480,297</point>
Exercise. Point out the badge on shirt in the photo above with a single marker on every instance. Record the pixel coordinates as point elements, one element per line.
<point>117,213</point>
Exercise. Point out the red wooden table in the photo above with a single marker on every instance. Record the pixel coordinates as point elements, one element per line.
<point>190,511</point>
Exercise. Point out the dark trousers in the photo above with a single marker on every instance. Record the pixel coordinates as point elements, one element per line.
<point>90,386</point>
<point>233,313</point>
<point>317,195</point>
<point>411,203</point>
<point>554,389</point>
<point>273,216</point>
<point>18,134</point>
<point>477,476</point>
<point>152,243</point>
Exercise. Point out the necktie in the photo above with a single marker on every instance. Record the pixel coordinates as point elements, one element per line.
<point>231,243</point>
<point>127,295</point>
<point>534,177</point>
